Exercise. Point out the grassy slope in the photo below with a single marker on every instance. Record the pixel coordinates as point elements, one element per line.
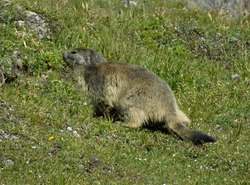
<point>195,55</point>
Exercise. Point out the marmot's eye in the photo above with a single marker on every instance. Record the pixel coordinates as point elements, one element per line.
<point>73,52</point>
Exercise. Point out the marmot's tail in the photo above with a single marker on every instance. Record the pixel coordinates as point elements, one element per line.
<point>196,137</point>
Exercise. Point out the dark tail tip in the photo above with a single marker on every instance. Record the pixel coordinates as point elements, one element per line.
<point>200,138</point>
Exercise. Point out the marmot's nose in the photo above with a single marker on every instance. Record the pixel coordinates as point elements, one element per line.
<point>65,56</point>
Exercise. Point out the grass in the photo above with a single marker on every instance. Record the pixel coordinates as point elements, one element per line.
<point>198,57</point>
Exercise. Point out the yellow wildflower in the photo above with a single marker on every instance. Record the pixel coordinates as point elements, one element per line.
<point>51,138</point>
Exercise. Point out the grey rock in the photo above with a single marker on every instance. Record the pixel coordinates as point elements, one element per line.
<point>80,166</point>
<point>76,133</point>
<point>90,24</point>
<point>4,135</point>
<point>236,7</point>
<point>2,78</point>
<point>7,3</point>
<point>11,67</point>
<point>17,63</point>
<point>9,163</point>
<point>130,4</point>
<point>235,76</point>
<point>38,25</point>
<point>70,129</point>
<point>19,23</point>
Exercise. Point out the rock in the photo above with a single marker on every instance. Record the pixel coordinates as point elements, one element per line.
<point>6,136</point>
<point>19,23</point>
<point>17,63</point>
<point>91,24</point>
<point>236,7</point>
<point>76,133</point>
<point>38,25</point>
<point>9,163</point>
<point>69,129</point>
<point>41,26</point>
<point>130,4</point>
<point>2,78</point>
<point>16,57</point>
<point>80,166</point>
<point>7,3</point>
<point>11,67</point>
<point>235,76</point>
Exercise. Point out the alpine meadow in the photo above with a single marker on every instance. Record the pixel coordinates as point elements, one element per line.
<point>48,134</point>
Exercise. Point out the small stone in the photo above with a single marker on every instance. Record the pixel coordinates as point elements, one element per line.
<point>9,163</point>
<point>235,76</point>
<point>7,3</point>
<point>69,129</point>
<point>75,133</point>
<point>80,166</point>
<point>90,24</point>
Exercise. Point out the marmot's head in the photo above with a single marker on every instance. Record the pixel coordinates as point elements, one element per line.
<point>82,57</point>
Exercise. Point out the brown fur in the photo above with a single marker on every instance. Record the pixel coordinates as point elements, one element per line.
<point>134,92</point>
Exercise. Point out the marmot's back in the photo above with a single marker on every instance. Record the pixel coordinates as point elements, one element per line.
<point>132,78</point>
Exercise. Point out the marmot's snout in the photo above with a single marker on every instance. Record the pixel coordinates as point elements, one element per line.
<point>65,56</point>
<point>69,61</point>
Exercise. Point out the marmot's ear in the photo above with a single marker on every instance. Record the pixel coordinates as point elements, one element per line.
<point>96,57</point>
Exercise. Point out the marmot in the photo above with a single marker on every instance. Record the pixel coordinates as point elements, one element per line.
<point>135,93</point>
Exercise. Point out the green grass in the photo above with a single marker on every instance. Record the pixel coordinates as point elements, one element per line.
<point>195,55</point>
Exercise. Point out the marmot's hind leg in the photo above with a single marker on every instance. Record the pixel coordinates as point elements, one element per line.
<point>133,117</point>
